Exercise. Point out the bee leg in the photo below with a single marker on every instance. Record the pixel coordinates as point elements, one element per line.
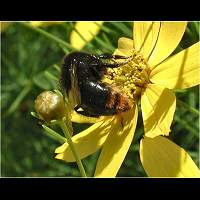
<point>114,65</point>
<point>120,116</point>
<point>110,56</point>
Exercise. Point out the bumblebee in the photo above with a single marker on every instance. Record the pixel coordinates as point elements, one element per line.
<point>81,78</point>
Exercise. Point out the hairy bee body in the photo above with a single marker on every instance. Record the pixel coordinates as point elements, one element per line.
<point>81,77</point>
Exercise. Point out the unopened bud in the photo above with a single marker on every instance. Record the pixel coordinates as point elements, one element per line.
<point>50,105</point>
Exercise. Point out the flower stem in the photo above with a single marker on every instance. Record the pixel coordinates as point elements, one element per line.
<point>186,106</point>
<point>72,147</point>
<point>51,133</point>
<point>48,35</point>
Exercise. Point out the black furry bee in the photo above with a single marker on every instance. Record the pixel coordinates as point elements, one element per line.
<point>81,77</point>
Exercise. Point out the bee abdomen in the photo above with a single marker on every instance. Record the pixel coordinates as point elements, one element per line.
<point>119,102</point>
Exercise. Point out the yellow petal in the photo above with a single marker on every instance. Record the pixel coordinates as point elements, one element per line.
<point>86,142</point>
<point>145,36</point>
<point>116,146</point>
<point>161,157</point>
<point>78,118</point>
<point>87,30</point>
<point>170,35</point>
<point>179,71</point>
<point>125,45</point>
<point>158,107</point>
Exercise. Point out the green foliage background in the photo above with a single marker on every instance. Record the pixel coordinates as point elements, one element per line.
<point>30,63</point>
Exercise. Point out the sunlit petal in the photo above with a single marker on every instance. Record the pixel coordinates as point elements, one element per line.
<point>125,45</point>
<point>85,32</point>
<point>158,107</point>
<point>86,142</point>
<point>78,118</point>
<point>169,37</point>
<point>179,71</point>
<point>117,145</point>
<point>145,36</point>
<point>161,157</point>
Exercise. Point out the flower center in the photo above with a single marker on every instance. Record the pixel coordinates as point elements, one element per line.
<point>131,77</point>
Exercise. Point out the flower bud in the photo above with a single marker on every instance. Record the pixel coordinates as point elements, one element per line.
<point>50,105</point>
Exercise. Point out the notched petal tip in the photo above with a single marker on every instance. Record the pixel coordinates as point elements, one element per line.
<point>158,107</point>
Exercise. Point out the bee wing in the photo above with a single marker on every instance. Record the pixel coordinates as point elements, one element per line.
<point>74,93</point>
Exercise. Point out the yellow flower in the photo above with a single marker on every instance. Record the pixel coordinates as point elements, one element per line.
<point>84,32</point>
<point>152,75</point>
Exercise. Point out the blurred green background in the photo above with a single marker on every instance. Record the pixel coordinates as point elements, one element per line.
<point>30,63</point>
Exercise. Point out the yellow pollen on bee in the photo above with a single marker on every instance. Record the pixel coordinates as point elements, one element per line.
<point>131,77</point>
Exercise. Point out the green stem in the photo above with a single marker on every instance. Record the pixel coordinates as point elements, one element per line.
<point>186,106</point>
<point>19,98</point>
<point>72,147</point>
<point>51,133</point>
<point>48,35</point>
